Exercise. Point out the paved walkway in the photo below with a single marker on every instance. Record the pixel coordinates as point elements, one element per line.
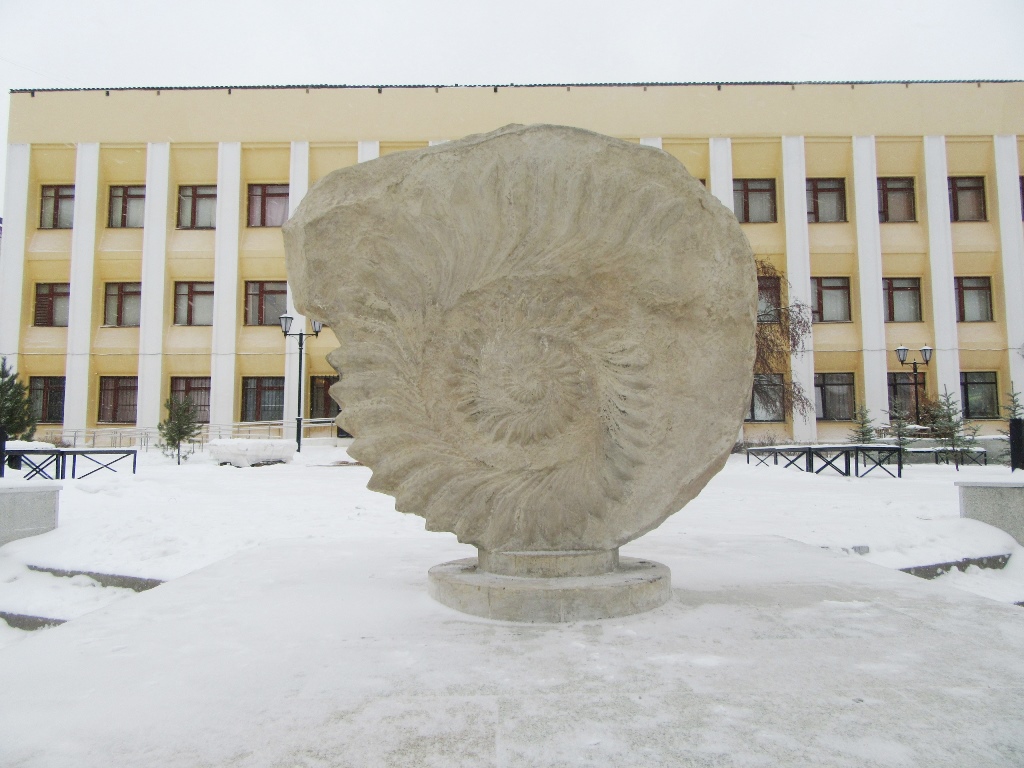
<point>315,654</point>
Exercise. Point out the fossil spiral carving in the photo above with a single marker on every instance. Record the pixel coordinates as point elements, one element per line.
<point>546,335</point>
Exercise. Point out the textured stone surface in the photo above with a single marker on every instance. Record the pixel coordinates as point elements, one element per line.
<point>27,509</point>
<point>548,564</point>
<point>546,335</point>
<point>998,503</point>
<point>634,586</point>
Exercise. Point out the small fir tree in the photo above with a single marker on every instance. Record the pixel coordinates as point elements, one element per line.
<point>15,406</point>
<point>181,424</point>
<point>953,433</point>
<point>899,426</point>
<point>1015,409</point>
<point>863,429</point>
<point>928,409</point>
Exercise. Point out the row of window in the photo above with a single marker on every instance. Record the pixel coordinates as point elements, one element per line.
<point>262,398</point>
<point>753,201</point>
<point>830,299</point>
<point>265,302</point>
<point>197,206</point>
<point>834,395</point>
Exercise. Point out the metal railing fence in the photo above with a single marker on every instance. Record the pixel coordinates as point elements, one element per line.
<point>144,438</point>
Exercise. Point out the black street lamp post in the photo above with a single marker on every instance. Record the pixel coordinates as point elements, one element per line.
<point>286,325</point>
<point>926,356</point>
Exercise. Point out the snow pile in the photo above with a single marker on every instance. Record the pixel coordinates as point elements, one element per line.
<point>247,453</point>
<point>28,445</point>
<point>1003,584</point>
<point>54,597</point>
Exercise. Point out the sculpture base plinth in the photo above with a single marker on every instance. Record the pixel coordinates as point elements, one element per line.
<point>634,586</point>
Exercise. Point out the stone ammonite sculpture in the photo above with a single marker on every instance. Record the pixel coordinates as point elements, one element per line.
<point>546,343</point>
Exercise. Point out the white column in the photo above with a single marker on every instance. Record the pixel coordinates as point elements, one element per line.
<point>83,257</point>
<point>869,272</point>
<point>12,251</point>
<point>720,160</point>
<point>1011,242</point>
<point>225,283</point>
<point>367,150</point>
<point>298,185</point>
<point>154,279</point>
<point>654,141</point>
<point>798,271</point>
<point>720,183</point>
<point>946,362</point>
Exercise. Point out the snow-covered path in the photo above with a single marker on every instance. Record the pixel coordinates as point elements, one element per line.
<point>330,653</point>
<point>167,521</point>
<point>295,629</point>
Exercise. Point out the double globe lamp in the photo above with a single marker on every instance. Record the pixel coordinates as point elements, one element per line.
<point>286,326</point>
<point>901,355</point>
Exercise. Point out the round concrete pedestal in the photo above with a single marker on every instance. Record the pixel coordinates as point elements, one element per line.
<point>634,586</point>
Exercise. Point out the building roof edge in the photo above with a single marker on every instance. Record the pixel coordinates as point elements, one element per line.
<point>328,86</point>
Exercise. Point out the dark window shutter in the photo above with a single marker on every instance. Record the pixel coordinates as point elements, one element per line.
<point>44,310</point>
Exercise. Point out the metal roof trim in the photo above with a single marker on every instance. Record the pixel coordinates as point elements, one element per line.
<point>381,87</point>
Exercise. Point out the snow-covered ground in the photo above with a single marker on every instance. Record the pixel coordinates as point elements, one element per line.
<point>168,521</point>
<point>296,629</point>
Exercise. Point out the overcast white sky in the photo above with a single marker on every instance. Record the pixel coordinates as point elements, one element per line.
<point>111,43</point>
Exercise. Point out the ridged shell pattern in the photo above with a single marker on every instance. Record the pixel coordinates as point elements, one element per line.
<point>531,326</point>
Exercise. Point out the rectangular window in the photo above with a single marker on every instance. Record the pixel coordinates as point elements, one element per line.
<point>967,198</point>
<point>901,391</point>
<point>973,299</point>
<point>830,299</point>
<point>265,302</point>
<point>826,200</point>
<point>197,389</point>
<point>767,399</point>
<point>127,205</point>
<point>769,299</point>
<point>754,200</point>
<point>58,207</point>
<point>833,396</point>
<point>979,395</point>
<point>197,206</point>
<point>321,404</point>
<point>118,398</point>
<point>902,299</point>
<point>46,395</point>
<point>193,303</point>
<point>262,398</point>
<point>122,304</point>
<point>896,200</point>
<point>52,304</point>
<point>268,205</point>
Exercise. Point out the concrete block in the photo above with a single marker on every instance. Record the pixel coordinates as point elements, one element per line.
<point>27,508</point>
<point>998,503</point>
<point>549,564</point>
<point>634,586</point>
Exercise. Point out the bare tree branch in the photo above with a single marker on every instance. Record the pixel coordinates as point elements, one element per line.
<point>781,333</point>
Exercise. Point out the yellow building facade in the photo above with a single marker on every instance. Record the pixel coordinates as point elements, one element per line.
<point>142,254</point>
